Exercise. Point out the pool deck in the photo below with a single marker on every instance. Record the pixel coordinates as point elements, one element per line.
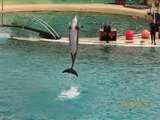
<point>98,8</point>
<point>121,41</point>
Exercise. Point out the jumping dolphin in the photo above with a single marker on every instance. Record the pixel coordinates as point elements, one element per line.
<point>73,40</point>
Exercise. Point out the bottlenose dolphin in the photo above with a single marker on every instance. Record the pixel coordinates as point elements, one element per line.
<point>73,40</point>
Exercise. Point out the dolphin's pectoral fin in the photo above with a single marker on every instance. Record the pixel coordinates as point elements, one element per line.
<point>77,27</point>
<point>71,70</point>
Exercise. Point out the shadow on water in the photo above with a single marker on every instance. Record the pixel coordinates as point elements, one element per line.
<point>107,49</point>
<point>153,50</point>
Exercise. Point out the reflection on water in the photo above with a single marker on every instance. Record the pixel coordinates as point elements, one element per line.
<point>152,49</point>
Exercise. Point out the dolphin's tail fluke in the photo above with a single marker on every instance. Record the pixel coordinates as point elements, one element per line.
<point>71,70</point>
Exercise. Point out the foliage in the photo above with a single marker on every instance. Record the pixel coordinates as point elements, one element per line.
<point>149,2</point>
<point>141,1</point>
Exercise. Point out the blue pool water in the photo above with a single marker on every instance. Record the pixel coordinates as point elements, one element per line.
<point>91,23</point>
<point>114,83</point>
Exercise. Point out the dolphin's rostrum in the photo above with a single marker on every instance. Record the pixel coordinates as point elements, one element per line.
<point>73,39</point>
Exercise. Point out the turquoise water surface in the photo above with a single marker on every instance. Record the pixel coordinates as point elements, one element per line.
<point>114,83</point>
<point>91,23</point>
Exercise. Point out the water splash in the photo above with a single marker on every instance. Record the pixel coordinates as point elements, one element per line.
<point>70,94</point>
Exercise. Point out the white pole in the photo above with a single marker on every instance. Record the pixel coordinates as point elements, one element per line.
<point>158,5</point>
<point>154,18</point>
<point>154,12</point>
<point>2,5</point>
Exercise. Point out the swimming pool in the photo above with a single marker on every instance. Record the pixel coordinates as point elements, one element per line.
<point>91,22</point>
<point>114,83</point>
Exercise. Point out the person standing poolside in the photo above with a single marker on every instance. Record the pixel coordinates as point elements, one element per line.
<point>153,32</point>
<point>107,29</point>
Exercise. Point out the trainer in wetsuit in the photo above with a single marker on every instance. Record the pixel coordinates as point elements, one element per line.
<point>153,32</point>
<point>107,29</point>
